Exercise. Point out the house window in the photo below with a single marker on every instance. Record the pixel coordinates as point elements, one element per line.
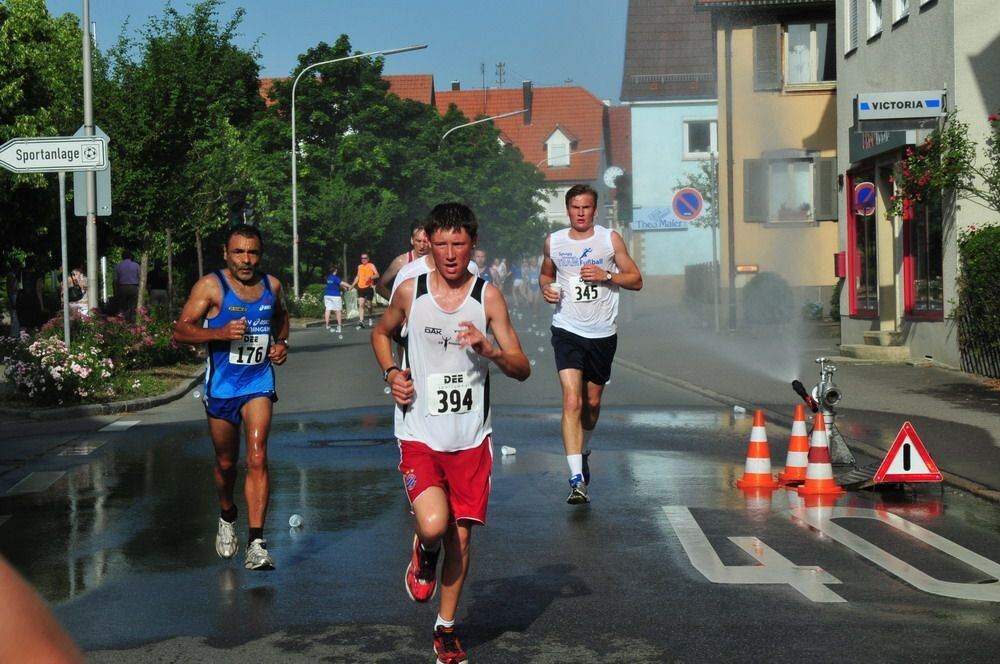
<point>851,34</point>
<point>900,10</point>
<point>862,255</point>
<point>874,18</point>
<point>810,54</point>
<point>797,190</point>
<point>699,139</point>
<point>922,262</point>
<point>558,154</point>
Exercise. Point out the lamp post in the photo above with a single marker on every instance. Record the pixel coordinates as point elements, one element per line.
<point>480,121</point>
<point>295,199</point>
<point>571,154</point>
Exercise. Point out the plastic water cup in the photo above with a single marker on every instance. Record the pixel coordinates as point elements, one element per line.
<point>387,390</point>
<point>295,520</point>
<point>507,451</point>
<point>196,394</point>
<point>532,363</point>
<point>541,349</point>
<point>557,287</point>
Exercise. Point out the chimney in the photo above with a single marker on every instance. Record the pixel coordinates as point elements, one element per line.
<point>526,96</point>
<point>455,86</point>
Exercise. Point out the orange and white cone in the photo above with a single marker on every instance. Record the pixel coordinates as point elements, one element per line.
<point>757,471</point>
<point>797,460</point>
<point>819,472</point>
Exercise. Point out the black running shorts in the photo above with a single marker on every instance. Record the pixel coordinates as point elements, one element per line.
<point>592,356</point>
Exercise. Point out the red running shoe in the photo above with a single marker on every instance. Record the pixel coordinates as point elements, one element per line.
<point>421,573</point>
<point>447,648</point>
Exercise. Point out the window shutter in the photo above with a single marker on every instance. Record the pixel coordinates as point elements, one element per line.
<point>767,57</point>
<point>825,196</point>
<point>755,190</point>
<point>852,24</point>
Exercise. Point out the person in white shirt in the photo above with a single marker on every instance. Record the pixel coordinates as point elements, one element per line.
<point>442,412</point>
<point>589,264</point>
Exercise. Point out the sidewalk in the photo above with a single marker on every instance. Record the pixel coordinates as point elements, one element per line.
<point>956,415</point>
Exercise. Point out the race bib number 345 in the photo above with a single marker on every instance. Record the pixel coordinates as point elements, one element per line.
<point>450,393</point>
<point>252,349</point>
<point>582,291</point>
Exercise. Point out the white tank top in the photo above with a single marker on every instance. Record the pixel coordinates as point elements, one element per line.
<point>587,309</point>
<point>420,266</point>
<point>451,407</point>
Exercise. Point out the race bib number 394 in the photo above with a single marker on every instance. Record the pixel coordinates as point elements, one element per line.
<point>450,393</point>
<point>252,349</point>
<point>582,291</point>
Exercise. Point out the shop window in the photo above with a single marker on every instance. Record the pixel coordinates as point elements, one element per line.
<point>862,254</point>
<point>922,262</point>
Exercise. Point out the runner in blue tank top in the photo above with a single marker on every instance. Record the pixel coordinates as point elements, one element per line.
<point>240,313</point>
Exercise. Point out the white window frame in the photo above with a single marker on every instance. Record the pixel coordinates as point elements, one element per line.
<point>557,149</point>
<point>876,18</point>
<point>925,2</point>
<point>813,54</point>
<point>900,10</point>
<point>712,139</point>
<point>851,20</point>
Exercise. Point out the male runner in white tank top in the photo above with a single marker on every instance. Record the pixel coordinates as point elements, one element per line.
<point>590,263</point>
<point>442,407</point>
<point>420,247</point>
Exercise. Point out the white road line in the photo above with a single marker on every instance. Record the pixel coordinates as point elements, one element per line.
<point>120,425</point>
<point>36,482</point>
<point>80,449</point>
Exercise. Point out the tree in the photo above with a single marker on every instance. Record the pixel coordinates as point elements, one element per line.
<point>184,95</point>
<point>40,95</point>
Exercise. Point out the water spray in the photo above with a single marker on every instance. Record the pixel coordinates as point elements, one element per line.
<point>823,398</point>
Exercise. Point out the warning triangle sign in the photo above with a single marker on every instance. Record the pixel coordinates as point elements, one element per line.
<point>908,460</point>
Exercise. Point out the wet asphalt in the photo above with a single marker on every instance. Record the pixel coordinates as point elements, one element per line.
<point>116,531</point>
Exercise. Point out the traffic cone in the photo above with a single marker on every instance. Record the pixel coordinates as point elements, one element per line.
<point>797,460</point>
<point>757,471</point>
<point>819,472</point>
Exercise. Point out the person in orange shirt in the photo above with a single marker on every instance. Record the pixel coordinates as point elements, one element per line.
<point>364,281</point>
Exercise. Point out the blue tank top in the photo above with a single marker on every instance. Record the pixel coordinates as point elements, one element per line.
<point>241,367</point>
<point>332,285</point>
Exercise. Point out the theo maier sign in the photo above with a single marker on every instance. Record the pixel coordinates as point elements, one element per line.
<point>893,105</point>
<point>54,153</point>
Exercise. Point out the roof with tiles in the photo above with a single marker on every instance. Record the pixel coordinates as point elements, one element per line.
<point>573,110</point>
<point>418,87</point>
<point>668,52</point>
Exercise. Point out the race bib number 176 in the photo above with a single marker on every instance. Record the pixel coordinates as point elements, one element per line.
<point>252,349</point>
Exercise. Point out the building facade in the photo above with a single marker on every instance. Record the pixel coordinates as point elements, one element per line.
<point>900,272</point>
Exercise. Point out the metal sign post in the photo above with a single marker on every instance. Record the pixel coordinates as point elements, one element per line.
<point>65,256</point>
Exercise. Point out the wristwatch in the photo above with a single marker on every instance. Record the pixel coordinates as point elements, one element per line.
<point>282,341</point>
<point>607,277</point>
<point>385,374</point>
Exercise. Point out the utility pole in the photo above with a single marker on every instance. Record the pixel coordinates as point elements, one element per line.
<point>88,128</point>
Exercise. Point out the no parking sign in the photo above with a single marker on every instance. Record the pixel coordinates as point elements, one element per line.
<point>688,204</point>
<point>864,198</point>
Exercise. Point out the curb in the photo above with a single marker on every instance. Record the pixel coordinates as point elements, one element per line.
<point>781,419</point>
<point>113,407</point>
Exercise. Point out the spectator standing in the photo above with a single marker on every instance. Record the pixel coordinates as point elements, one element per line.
<point>76,287</point>
<point>31,312</point>
<point>127,285</point>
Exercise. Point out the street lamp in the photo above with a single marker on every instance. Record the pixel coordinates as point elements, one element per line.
<point>571,154</point>
<point>480,121</point>
<point>295,199</point>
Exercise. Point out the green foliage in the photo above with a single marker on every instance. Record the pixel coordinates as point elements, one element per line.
<point>978,296</point>
<point>835,299</point>
<point>767,299</point>
<point>40,95</point>
<point>102,364</point>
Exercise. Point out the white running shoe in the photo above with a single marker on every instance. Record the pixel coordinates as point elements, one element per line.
<point>226,541</point>
<point>257,556</point>
<point>339,329</point>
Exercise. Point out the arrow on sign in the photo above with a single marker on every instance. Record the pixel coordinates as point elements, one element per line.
<point>51,154</point>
